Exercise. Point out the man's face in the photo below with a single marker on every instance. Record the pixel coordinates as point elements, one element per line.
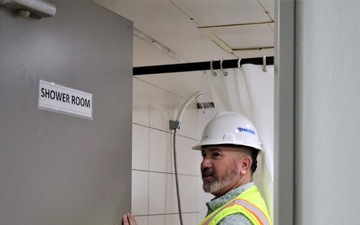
<point>219,169</point>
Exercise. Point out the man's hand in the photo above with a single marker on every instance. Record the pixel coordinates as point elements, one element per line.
<point>128,219</point>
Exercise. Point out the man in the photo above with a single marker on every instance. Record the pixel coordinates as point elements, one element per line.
<point>229,147</point>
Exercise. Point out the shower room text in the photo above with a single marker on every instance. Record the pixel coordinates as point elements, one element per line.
<point>64,97</point>
<point>61,99</point>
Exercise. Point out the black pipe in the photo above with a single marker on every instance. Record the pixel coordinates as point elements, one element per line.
<point>199,66</point>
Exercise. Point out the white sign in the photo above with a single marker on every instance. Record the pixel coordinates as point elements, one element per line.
<point>62,99</point>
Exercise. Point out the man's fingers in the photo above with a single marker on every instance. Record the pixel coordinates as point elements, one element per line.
<point>125,220</point>
<point>128,219</point>
<point>131,219</point>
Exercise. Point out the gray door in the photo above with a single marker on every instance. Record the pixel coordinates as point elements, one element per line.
<point>55,168</point>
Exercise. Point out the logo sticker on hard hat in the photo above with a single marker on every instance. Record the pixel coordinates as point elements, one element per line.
<point>247,130</point>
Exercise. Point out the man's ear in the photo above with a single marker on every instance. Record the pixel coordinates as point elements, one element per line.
<point>245,165</point>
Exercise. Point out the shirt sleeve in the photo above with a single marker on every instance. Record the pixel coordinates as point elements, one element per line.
<point>235,219</point>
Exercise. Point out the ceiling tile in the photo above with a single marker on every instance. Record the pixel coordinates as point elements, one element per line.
<point>241,37</point>
<point>269,6</point>
<point>213,13</point>
<point>164,22</point>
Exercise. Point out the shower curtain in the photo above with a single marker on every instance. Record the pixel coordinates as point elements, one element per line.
<point>250,91</point>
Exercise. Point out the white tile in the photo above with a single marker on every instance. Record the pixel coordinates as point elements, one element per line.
<point>140,147</point>
<point>163,108</point>
<point>189,126</point>
<point>162,193</point>
<point>204,118</point>
<point>203,198</point>
<point>188,160</point>
<point>160,151</point>
<point>201,216</point>
<point>140,194</point>
<point>191,218</point>
<point>189,193</point>
<point>190,82</point>
<point>164,220</point>
<point>166,81</point>
<point>141,96</point>
<point>142,220</point>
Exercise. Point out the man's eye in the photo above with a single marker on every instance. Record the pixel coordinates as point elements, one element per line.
<point>203,154</point>
<point>216,154</point>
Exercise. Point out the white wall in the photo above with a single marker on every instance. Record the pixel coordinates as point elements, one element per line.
<point>156,100</point>
<point>327,114</point>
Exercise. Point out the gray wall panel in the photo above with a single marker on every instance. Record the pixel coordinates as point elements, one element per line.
<point>55,168</point>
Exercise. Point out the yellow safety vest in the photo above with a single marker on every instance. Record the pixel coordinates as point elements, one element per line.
<point>249,203</point>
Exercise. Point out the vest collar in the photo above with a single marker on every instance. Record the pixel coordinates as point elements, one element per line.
<point>222,200</point>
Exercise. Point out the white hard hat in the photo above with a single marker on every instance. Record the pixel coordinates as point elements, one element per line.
<point>230,128</point>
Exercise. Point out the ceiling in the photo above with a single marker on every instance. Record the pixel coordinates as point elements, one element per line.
<point>199,30</point>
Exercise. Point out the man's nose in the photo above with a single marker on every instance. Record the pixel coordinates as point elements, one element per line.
<point>205,163</point>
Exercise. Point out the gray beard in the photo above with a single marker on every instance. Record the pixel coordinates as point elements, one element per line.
<point>220,183</point>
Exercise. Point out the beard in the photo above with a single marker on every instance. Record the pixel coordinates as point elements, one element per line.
<point>213,183</point>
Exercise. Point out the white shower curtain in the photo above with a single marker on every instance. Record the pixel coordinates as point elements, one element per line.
<point>250,90</point>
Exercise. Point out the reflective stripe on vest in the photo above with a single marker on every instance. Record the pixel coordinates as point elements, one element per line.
<point>259,215</point>
<point>239,205</point>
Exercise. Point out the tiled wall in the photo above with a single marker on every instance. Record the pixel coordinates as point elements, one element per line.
<point>154,200</point>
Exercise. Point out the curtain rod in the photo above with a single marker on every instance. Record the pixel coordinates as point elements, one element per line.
<point>199,66</point>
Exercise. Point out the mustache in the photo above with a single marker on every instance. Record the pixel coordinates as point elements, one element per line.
<point>206,172</point>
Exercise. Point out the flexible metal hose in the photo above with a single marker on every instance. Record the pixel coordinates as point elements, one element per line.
<point>176,177</point>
